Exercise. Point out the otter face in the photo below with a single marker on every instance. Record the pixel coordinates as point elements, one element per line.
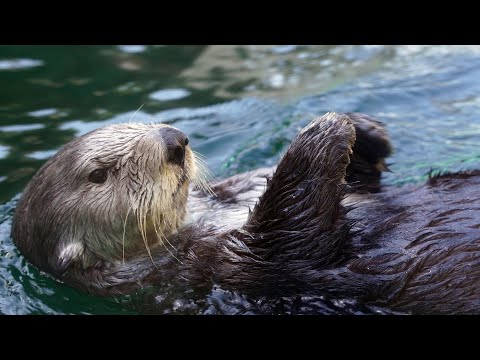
<point>105,196</point>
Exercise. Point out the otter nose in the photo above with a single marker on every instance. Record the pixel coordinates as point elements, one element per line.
<point>175,142</point>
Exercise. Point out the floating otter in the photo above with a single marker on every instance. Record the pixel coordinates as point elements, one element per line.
<point>126,206</point>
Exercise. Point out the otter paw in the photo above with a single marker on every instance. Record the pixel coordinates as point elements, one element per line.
<point>371,147</point>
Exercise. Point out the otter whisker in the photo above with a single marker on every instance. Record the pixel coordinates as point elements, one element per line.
<point>207,188</point>
<point>199,155</point>
<point>123,237</point>
<point>203,166</point>
<point>142,219</point>
<point>169,243</point>
<point>204,175</point>
<point>160,237</point>
<point>173,255</point>
<point>201,162</point>
<point>169,223</point>
<point>135,113</point>
<point>204,187</point>
<point>204,172</point>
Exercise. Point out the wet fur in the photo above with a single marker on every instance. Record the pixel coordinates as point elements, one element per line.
<point>299,229</point>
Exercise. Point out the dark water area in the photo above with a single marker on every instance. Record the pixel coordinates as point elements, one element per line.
<point>240,107</point>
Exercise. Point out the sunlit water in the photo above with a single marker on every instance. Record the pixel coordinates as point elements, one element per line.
<point>240,106</point>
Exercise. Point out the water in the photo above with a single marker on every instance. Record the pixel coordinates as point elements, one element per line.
<point>240,106</point>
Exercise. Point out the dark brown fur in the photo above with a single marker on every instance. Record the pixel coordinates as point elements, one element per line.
<point>415,249</point>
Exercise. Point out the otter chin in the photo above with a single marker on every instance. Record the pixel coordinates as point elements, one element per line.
<point>129,206</point>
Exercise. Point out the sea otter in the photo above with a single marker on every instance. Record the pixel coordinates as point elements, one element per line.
<point>127,206</point>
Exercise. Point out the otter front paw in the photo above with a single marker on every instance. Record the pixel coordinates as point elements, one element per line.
<point>371,147</point>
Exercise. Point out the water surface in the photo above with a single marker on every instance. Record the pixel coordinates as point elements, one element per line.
<point>240,106</point>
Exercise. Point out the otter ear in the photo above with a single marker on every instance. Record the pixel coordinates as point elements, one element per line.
<point>64,255</point>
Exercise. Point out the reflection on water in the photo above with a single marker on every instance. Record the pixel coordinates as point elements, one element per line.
<point>282,72</point>
<point>14,64</point>
<point>240,106</point>
<point>169,94</point>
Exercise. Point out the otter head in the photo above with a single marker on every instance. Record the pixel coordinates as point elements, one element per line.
<point>105,196</point>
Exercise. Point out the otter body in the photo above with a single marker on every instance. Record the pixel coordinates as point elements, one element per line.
<point>317,224</point>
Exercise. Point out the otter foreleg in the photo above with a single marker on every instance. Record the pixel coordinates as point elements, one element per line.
<point>300,215</point>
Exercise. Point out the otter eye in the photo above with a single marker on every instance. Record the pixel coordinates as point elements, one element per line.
<point>186,141</point>
<point>98,176</point>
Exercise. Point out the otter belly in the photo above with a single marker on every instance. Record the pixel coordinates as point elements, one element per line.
<point>234,198</point>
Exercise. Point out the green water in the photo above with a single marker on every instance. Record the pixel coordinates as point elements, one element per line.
<point>240,106</point>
